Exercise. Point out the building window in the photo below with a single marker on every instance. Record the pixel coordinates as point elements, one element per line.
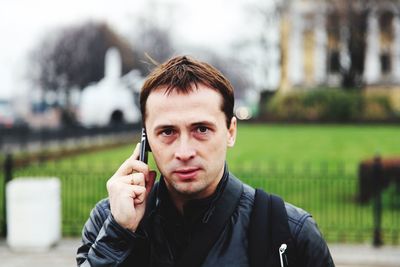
<point>334,62</point>
<point>385,63</point>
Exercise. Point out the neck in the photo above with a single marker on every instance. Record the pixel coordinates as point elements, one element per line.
<point>180,199</point>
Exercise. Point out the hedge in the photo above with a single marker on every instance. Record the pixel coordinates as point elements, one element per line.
<point>330,105</point>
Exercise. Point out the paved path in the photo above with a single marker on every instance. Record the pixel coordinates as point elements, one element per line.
<point>365,255</point>
<point>63,255</point>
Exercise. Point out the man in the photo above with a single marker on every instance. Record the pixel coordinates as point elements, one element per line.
<point>187,110</point>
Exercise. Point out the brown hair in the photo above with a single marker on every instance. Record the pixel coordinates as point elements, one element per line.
<point>180,74</point>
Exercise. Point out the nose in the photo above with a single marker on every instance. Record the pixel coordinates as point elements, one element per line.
<point>185,151</point>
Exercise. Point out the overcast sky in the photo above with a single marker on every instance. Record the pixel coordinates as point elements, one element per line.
<point>23,23</point>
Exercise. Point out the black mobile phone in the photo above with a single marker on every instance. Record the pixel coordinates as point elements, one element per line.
<point>144,147</point>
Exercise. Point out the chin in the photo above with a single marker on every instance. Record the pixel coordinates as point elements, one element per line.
<point>191,189</point>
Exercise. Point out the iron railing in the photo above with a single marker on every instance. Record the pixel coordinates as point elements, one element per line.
<point>328,191</point>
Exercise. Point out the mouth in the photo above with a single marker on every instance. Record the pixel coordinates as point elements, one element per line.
<point>187,173</point>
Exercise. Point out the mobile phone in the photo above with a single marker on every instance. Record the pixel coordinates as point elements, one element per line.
<point>144,147</point>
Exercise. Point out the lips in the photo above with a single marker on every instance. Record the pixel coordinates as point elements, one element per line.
<point>187,173</point>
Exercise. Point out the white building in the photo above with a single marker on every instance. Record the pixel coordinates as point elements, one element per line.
<point>110,101</point>
<point>315,36</point>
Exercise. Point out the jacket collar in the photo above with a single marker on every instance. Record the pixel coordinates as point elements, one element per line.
<point>194,210</point>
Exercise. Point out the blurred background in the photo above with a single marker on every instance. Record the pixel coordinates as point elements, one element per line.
<point>333,60</point>
<point>317,86</point>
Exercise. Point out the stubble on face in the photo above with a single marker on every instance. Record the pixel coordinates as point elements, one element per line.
<point>188,137</point>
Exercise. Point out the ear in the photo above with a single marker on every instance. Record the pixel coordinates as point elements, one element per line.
<point>232,132</point>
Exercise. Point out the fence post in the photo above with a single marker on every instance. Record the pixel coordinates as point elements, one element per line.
<point>377,205</point>
<point>8,166</point>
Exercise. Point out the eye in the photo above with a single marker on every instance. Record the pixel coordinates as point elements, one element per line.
<point>167,132</point>
<point>202,129</point>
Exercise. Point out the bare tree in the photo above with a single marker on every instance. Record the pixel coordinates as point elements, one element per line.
<point>233,69</point>
<point>266,15</point>
<point>154,41</point>
<point>74,57</point>
<point>347,23</point>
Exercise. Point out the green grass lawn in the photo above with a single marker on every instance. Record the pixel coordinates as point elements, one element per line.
<point>315,167</point>
<point>312,166</point>
<point>314,143</point>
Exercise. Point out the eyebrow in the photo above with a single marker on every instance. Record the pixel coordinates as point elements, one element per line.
<point>163,126</point>
<point>207,123</point>
<point>199,123</point>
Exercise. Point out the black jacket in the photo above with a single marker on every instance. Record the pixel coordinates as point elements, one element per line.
<point>163,234</point>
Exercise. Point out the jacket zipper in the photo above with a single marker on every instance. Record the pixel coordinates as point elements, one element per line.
<point>282,255</point>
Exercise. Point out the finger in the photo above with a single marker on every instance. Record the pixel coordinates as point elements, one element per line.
<point>136,151</point>
<point>138,194</point>
<point>137,179</point>
<point>132,179</point>
<point>150,181</point>
<point>125,166</point>
<point>132,165</point>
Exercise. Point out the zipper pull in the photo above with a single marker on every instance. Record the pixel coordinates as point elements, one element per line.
<point>282,255</point>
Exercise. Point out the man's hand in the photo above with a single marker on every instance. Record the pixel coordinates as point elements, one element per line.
<point>128,189</point>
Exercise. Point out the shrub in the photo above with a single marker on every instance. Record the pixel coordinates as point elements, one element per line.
<point>334,105</point>
<point>377,107</point>
<point>331,105</point>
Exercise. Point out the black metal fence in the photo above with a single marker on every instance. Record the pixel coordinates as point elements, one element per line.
<point>328,191</point>
<point>23,138</point>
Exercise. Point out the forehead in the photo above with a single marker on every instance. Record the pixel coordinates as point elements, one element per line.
<point>202,103</point>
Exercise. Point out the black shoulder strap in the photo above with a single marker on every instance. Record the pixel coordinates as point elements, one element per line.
<point>269,229</point>
<point>201,244</point>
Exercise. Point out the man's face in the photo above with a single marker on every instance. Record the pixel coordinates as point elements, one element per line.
<point>188,136</point>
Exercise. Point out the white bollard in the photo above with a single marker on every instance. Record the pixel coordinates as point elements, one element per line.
<point>33,213</point>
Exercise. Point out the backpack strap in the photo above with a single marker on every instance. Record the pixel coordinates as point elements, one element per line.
<point>269,230</point>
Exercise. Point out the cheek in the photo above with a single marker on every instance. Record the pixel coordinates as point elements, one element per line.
<point>158,153</point>
<point>161,163</point>
<point>164,156</point>
<point>215,148</point>
<point>160,156</point>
